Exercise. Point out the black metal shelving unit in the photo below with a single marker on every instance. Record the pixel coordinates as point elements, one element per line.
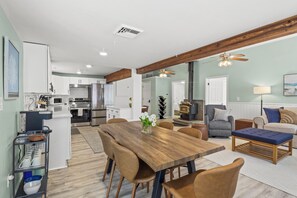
<point>18,191</point>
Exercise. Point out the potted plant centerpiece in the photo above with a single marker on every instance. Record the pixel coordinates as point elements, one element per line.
<point>147,121</point>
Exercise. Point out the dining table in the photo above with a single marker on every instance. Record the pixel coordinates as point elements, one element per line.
<point>162,149</point>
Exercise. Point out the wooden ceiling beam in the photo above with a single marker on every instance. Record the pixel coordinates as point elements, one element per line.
<point>268,32</point>
<point>118,75</point>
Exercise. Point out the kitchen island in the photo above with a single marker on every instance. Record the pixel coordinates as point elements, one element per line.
<point>60,140</point>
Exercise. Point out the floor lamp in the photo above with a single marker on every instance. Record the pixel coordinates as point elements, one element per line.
<point>262,91</point>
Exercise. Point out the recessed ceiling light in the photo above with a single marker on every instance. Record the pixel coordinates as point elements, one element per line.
<point>78,72</point>
<point>89,66</point>
<point>103,53</point>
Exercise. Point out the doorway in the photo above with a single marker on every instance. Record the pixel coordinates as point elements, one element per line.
<point>178,95</point>
<point>146,95</point>
<point>216,90</point>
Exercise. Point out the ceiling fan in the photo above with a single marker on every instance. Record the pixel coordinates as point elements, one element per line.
<point>165,72</point>
<point>226,58</point>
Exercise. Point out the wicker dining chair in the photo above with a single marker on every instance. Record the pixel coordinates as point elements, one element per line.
<point>108,149</point>
<point>166,125</point>
<point>131,168</point>
<point>116,120</point>
<point>216,182</point>
<point>191,132</point>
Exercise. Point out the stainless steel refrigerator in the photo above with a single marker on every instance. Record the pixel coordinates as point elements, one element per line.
<point>98,110</point>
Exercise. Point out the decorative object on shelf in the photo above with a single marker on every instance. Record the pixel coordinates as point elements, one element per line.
<point>36,137</point>
<point>147,121</point>
<point>130,102</point>
<point>162,107</point>
<point>290,85</point>
<point>11,70</point>
<point>262,91</point>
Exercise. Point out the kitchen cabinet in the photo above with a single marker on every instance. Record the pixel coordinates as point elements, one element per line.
<point>78,81</point>
<point>61,85</point>
<point>124,87</point>
<point>117,112</point>
<point>36,68</point>
<point>96,80</point>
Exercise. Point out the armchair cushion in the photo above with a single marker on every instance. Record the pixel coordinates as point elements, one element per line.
<point>221,114</point>
<point>220,124</point>
<point>209,110</point>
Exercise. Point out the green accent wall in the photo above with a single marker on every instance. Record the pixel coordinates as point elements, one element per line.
<point>266,66</point>
<point>8,117</point>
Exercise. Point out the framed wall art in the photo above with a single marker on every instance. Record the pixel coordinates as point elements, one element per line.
<point>290,85</point>
<point>11,70</point>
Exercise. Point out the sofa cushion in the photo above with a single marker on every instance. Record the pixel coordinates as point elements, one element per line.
<point>288,116</point>
<point>282,127</point>
<point>220,124</point>
<point>293,109</point>
<point>273,115</point>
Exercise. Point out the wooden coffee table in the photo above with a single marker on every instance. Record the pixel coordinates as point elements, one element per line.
<point>262,143</point>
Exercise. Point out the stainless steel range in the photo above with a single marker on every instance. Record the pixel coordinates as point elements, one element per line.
<point>80,108</point>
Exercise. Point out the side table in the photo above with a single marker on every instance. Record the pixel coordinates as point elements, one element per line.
<point>243,123</point>
<point>204,130</point>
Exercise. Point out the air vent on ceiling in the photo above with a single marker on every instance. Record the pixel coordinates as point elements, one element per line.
<point>127,31</point>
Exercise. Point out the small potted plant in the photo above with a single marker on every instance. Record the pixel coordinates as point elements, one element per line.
<point>147,121</point>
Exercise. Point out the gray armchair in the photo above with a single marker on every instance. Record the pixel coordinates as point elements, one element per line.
<point>218,127</point>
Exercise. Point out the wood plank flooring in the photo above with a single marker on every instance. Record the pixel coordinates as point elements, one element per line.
<point>82,179</point>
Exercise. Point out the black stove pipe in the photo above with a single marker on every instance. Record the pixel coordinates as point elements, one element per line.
<point>191,81</point>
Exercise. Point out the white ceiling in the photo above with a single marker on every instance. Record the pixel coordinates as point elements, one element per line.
<point>76,30</point>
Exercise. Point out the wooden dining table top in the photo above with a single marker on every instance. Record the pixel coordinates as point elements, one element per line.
<point>163,148</point>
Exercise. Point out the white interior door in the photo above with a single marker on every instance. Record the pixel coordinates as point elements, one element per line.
<point>216,90</point>
<point>146,95</point>
<point>178,94</point>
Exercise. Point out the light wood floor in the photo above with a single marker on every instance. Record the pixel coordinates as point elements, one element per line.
<point>83,178</point>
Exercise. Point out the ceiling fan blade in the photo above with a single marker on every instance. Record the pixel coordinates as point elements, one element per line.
<point>237,55</point>
<point>239,59</point>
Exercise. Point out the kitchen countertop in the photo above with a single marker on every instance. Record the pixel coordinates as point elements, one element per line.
<point>117,108</point>
<point>62,115</point>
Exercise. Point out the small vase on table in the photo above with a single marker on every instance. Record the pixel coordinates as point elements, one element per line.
<point>147,121</point>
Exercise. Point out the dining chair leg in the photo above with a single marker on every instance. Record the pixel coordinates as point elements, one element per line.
<point>147,187</point>
<point>167,193</point>
<point>105,170</point>
<point>171,174</point>
<point>119,186</point>
<point>178,169</point>
<point>134,190</point>
<point>110,179</point>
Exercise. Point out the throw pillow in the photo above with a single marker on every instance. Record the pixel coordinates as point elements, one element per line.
<point>288,116</point>
<point>221,114</point>
<point>272,115</point>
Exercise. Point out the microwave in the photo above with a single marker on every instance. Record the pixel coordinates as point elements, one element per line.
<point>56,101</point>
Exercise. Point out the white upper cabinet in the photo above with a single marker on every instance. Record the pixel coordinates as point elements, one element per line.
<point>61,85</point>
<point>78,81</point>
<point>36,68</point>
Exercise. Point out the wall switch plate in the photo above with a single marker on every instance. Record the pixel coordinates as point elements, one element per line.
<point>1,103</point>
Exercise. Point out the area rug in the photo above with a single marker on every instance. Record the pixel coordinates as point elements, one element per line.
<point>282,176</point>
<point>92,137</point>
<point>74,131</point>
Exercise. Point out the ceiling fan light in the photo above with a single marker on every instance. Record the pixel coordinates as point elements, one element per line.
<point>163,75</point>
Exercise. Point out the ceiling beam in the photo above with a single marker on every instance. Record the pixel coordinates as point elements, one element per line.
<point>118,75</point>
<point>274,30</point>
